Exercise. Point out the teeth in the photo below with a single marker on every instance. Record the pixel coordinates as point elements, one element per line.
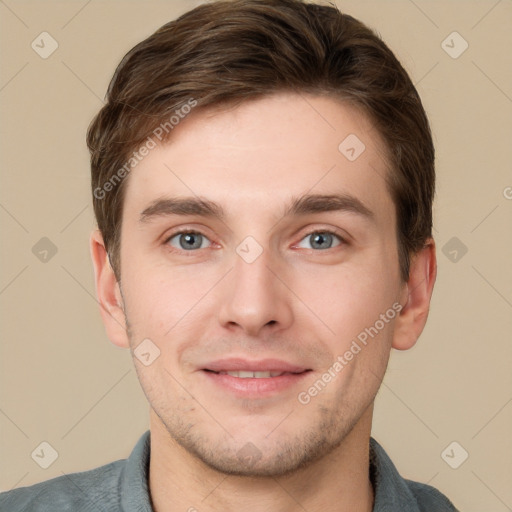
<point>252,375</point>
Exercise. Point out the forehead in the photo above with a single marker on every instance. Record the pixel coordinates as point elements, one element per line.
<point>265,151</point>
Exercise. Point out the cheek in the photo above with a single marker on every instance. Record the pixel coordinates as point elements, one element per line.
<point>161,300</point>
<point>160,384</point>
<point>349,297</point>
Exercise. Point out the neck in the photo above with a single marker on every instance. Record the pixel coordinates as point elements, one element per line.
<point>337,482</point>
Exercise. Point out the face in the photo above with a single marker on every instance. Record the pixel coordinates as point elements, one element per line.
<point>293,258</point>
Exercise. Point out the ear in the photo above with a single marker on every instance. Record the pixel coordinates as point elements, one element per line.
<point>108,293</point>
<point>416,296</point>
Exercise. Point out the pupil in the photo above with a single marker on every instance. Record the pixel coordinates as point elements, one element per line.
<point>190,241</point>
<point>321,238</point>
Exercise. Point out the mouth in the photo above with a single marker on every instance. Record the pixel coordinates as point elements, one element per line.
<point>253,385</point>
<point>246,368</point>
<point>248,374</point>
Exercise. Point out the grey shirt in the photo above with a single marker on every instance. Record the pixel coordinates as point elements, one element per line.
<point>122,486</point>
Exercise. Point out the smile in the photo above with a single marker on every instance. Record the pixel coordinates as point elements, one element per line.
<point>254,384</point>
<point>253,375</point>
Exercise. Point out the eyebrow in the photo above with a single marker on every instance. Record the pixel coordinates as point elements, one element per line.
<point>306,204</point>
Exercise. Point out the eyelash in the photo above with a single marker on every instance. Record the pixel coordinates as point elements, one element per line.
<point>342,239</point>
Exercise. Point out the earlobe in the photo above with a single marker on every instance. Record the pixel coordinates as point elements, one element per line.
<point>108,293</point>
<point>417,294</point>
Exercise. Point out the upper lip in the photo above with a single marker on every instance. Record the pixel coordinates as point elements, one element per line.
<point>263,365</point>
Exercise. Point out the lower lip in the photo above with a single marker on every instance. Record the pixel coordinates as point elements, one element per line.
<point>253,387</point>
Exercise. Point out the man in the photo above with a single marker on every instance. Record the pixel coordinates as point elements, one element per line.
<point>263,178</point>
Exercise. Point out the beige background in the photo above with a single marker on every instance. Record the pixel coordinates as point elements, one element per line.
<point>63,382</point>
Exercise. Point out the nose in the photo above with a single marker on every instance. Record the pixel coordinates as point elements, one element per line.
<point>255,297</point>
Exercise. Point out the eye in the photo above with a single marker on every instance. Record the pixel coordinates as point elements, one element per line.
<point>321,240</point>
<point>187,240</point>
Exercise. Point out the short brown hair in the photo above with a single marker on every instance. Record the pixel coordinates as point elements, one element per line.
<point>228,52</point>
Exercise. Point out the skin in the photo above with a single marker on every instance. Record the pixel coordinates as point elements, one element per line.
<point>295,302</point>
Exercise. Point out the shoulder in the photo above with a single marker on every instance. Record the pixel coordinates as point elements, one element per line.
<point>393,492</point>
<point>428,498</point>
<point>76,492</point>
